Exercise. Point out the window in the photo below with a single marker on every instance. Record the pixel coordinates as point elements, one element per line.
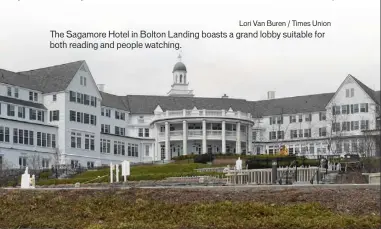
<point>354,146</point>
<point>76,140</point>
<point>72,96</point>
<point>40,116</point>
<point>117,116</point>
<point>117,131</point>
<point>93,101</point>
<point>140,132</point>
<point>55,115</point>
<point>354,108</point>
<point>74,164</point>
<point>9,91</point>
<point>272,135</point>
<point>292,118</point>
<point>123,116</point>
<point>119,148</point>
<point>345,109</point>
<point>22,162</point>
<point>80,117</point>
<point>354,125</point>
<point>300,118</point>
<point>336,127</point>
<point>293,134</point>
<point>146,132</point>
<point>90,164</point>
<point>35,96</point>
<point>87,141</point>
<point>102,111</point>
<point>307,133</point>
<point>4,134</point>
<point>81,80</point>
<point>54,97</point>
<point>32,114</point>
<point>346,126</point>
<point>31,96</point>
<point>86,118</point>
<point>45,163</point>
<point>300,133</point>
<point>10,110</point>
<point>364,124</point>
<point>21,112</point>
<point>44,139</point>
<point>312,148</point>
<point>308,117</point>
<point>53,141</point>
<point>133,150</point>
<point>21,136</point>
<point>280,120</point>
<point>254,136</point>
<point>352,92</point>
<point>106,128</point>
<point>15,135</point>
<point>108,113</point>
<point>122,131</point>
<point>147,151</point>
<point>346,146</point>
<point>16,92</point>
<point>84,81</point>
<point>322,132</point>
<point>322,116</point>
<point>336,110</point>
<point>363,107</point>
<point>280,134</point>
<point>39,139</point>
<point>48,140</point>
<point>31,137</point>
<point>86,99</point>
<point>105,146</point>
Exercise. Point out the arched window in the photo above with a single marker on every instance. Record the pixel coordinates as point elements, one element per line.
<point>181,78</point>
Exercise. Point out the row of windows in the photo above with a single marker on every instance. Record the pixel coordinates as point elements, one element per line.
<point>76,141</point>
<point>119,148</point>
<point>348,126</point>
<point>26,137</point>
<point>297,118</point>
<point>117,114</point>
<point>83,118</point>
<point>83,99</point>
<point>23,162</point>
<point>144,132</point>
<point>34,114</point>
<point>350,109</point>
<point>106,129</point>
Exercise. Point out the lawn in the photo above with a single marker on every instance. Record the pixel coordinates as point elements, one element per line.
<point>185,209</point>
<point>138,173</point>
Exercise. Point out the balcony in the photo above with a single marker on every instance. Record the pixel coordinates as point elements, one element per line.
<point>197,134</point>
<point>202,113</point>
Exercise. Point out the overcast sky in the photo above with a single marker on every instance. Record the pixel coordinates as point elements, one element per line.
<point>240,68</point>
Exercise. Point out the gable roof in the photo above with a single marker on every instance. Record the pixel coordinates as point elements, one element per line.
<point>55,78</point>
<point>22,102</point>
<point>367,90</point>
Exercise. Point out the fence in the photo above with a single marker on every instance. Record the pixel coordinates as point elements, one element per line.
<point>264,176</point>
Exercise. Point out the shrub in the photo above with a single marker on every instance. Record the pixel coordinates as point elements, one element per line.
<point>204,158</point>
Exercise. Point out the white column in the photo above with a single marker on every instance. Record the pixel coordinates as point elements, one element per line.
<point>223,136</point>
<point>167,149</point>
<point>185,137</point>
<point>204,136</point>
<point>250,140</point>
<point>156,150</point>
<point>238,138</point>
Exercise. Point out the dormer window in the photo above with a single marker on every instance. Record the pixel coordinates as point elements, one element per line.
<point>16,92</point>
<point>9,91</point>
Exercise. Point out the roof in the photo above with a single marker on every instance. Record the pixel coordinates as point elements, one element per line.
<point>179,66</point>
<point>55,78</point>
<point>291,105</point>
<point>113,101</point>
<point>22,102</point>
<point>373,94</point>
<point>12,78</point>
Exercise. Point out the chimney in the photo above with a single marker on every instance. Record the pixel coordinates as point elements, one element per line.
<point>101,87</point>
<point>271,95</point>
<point>225,96</point>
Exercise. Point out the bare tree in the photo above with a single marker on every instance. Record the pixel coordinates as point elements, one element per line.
<point>57,158</point>
<point>34,161</point>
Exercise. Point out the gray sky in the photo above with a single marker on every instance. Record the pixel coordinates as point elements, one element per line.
<point>240,68</point>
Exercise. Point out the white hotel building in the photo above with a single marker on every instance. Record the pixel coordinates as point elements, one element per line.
<point>59,113</point>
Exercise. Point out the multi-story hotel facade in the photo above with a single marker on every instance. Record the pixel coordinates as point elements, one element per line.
<point>59,114</point>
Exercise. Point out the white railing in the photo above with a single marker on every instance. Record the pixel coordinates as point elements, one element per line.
<point>176,133</point>
<point>213,132</point>
<point>202,113</point>
<point>192,133</point>
<point>230,133</point>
